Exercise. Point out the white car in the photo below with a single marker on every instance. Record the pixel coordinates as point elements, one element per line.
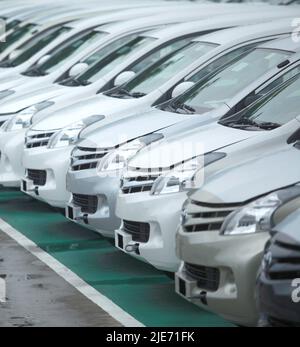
<point>28,28</point>
<point>50,23</point>
<point>40,44</point>
<point>80,111</point>
<point>20,86</point>
<point>90,34</point>
<point>99,148</point>
<point>101,75</point>
<point>61,143</point>
<point>32,15</point>
<point>153,197</point>
<point>15,15</point>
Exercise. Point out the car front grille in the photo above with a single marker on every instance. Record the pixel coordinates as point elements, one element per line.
<point>199,217</point>
<point>34,140</point>
<point>285,261</point>
<point>140,232</point>
<point>138,184</point>
<point>136,180</point>
<point>39,177</point>
<point>87,203</point>
<point>84,158</point>
<point>208,278</point>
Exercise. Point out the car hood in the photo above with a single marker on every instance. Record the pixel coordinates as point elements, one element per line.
<point>206,138</point>
<point>9,78</point>
<point>18,102</point>
<point>10,84</point>
<point>95,105</point>
<point>117,131</point>
<point>244,182</point>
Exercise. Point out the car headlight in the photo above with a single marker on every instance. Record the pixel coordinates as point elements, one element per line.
<point>70,134</point>
<point>185,176</point>
<point>117,159</point>
<point>253,218</point>
<point>6,93</point>
<point>23,119</point>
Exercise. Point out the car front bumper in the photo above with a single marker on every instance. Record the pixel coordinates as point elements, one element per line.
<point>162,213</point>
<point>237,260</point>
<point>105,188</point>
<point>11,149</point>
<point>56,164</point>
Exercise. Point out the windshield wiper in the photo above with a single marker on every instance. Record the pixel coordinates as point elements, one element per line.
<point>245,122</point>
<point>35,71</point>
<point>181,106</point>
<point>7,63</point>
<point>138,94</point>
<point>70,82</point>
<point>83,82</point>
<point>186,108</point>
<point>74,82</point>
<point>268,125</point>
<point>123,92</point>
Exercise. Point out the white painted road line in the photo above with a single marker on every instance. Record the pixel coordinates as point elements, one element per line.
<point>69,276</point>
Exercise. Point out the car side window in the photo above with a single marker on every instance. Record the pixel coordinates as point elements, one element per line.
<point>160,53</point>
<point>223,61</point>
<point>263,90</point>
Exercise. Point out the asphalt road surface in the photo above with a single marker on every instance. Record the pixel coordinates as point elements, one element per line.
<point>37,296</point>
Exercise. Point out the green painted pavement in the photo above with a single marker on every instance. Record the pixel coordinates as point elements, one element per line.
<point>145,293</point>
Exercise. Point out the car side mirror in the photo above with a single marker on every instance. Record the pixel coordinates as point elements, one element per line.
<point>182,88</point>
<point>78,69</point>
<point>14,54</point>
<point>43,59</point>
<point>123,78</point>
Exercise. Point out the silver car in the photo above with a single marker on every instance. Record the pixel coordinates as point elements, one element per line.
<point>225,223</point>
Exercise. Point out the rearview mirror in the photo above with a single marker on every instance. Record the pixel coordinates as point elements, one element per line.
<point>78,69</point>
<point>181,88</point>
<point>123,78</point>
<point>43,59</point>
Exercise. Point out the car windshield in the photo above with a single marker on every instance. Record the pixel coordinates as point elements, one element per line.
<point>35,44</point>
<point>217,89</point>
<point>110,57</point>
<point>69,49</point>
<point>161,52</point>
<point>16,35</point>
<point>163,70</point>
<point>277,108</point>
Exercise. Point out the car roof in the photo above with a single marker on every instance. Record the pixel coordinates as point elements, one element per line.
<point>219,20</point>
<point>285,44</point>
<point>110,18</point>
<point>160,18</point>
<point>227,36</point>
<point>44,14</point>
<point>20,13</point>
<point>87,21</point>
<point>117,21</point>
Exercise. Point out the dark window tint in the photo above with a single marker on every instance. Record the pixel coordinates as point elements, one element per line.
<point>16,35</point>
